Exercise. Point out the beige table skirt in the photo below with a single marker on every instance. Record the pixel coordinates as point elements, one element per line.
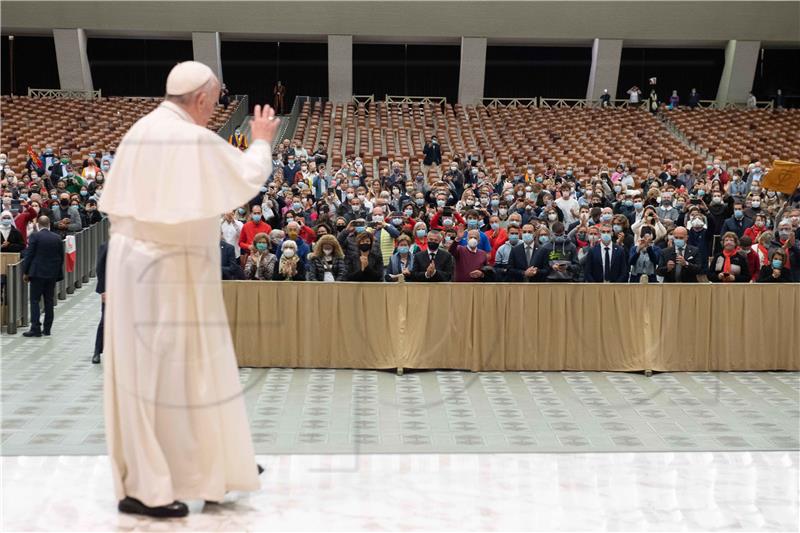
<point>615,327</point>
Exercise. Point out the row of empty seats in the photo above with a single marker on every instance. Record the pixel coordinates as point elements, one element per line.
<point>738,135</point>
<point>504,138</point>
<point>75,126</point>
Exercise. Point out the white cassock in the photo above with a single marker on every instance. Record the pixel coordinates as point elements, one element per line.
<point>175,417</point>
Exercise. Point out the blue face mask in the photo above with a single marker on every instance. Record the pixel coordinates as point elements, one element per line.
<point>408,212</point>
<point>495,226</point>
<point>544,239</point>
<point>777,264</point>
<point>513,239</point>
<point>527,238</point>
<point>628,203</point>
<point>472,223</point>
<point>263,189</point>
<point>638,205</point>
<point>617,228</point>
<point>84,193</point>
<point>421,233</point>
<point>402,249</point>
<point>679,243</point>
<point>297,206</point>
<point>6,222</point>
<point>738,213</point>
<point>257,218</point>
<point>495,202</point>
<point>261,246</point>
<point>360,229</point>
<point>605,237</point>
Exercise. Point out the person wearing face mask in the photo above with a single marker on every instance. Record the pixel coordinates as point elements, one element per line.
<point>26,218</point>
<point>738,222</point>
<point>497,236</point>
<point>60,169</point>
<point>366,264</point>
<point>557,259</point>
<point>402,261</point>
<point>294,233</point>
<point>755,207</point>
<point>729,266</point>
<point>474,221</point>
<point>521,266</point>
<point>42,267</point>
<point>644,256</point>
<point>238,139</point>
<point>471,263</point>
<point>680,262</point>
<point>290,267</point>
<point>290,169</point>
<point>503,255</point>
<point>606,262</point>
<point>255,225</point>
<point>91,215</point>
<point>420,243</point>
<point>720,208</point>
<point>326,262</point>
<point>10,236</point>
<point>786,240</point>
<point>776,271</point>
<point>67,217</point>
<point>434,264</point>
<point>759,226</point>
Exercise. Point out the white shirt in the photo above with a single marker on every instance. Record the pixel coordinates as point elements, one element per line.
<point>566,207</point>
<point>231,232</point>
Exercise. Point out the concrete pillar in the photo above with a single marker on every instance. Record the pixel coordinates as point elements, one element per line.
<point>340,68</point>
<point>473,70</point>
<point>606,54</point>
<point>73,63</point>
<point>205,47</point>
<point>741,60</point>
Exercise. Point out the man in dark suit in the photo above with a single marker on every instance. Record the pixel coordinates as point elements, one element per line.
<point>433,155</point>
<point>43,266</point>
<point>679,263</point>
<point>101,290</point>
<point>435,263</point>
<point>230,265</point>
<point>522,259</point>
<point>607,261</point>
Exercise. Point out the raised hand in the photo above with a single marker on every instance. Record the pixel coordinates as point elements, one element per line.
<point>264,124</point>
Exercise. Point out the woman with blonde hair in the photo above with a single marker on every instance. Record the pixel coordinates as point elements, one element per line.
<point>261,262</point>
<point>290,267</point>
<point>326,262</point>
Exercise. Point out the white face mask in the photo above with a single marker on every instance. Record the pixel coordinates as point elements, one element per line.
<point>289,252</point>
<point>327,251</point>
<point>472,243</point>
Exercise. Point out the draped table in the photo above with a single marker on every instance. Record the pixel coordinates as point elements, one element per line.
<point>530,326</point>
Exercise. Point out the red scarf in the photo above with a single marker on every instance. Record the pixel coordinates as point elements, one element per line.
<point>786,262</point>
<point>764,253</point>
<point>726,267</point>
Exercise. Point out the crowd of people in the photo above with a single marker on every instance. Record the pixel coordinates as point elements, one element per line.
<point>463,223</point>
<point>460,223</point>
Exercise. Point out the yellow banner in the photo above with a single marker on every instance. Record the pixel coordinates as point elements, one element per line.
<point>783,177</point>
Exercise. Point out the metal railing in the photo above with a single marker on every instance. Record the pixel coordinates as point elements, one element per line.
<point>364,98</point>
<point>236,118</point>
<point>289,126</point>
<point>65,93</point>
<point>87,242</point>
<point>436,100</point>
<point>510,102</point>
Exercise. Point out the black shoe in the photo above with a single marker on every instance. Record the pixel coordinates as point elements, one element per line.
<point>32,333</point>
<point>46,333</point>
<point>96,359</point>
<point>133,506</point>
<point>260,469</point>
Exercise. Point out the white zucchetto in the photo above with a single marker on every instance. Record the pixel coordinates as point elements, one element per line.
<point>187,77</point>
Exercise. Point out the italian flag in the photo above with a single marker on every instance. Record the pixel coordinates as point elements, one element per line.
<point>69,248</point>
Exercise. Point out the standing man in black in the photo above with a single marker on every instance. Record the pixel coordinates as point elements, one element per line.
<point>101,290</point>
<point>433,156</point>
<point>43,266</point>
<point>434,264</point>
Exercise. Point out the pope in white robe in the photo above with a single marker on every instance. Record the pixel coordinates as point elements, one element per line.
<point>175,417</point>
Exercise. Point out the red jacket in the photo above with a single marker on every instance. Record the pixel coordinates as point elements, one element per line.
<point>250,230</point>
<point>435,221</point>
<point>21,221</point>
<point>753,263</point>
<point>754,232</point>
<point>496,241</point>
<point>307,234</point>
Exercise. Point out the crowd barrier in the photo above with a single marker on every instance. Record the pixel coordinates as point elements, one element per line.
<point>87,242</point>
<point>519,327</point>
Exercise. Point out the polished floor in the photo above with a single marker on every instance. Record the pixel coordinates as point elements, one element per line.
<point>686,491</point>
<point>362,450</point>
<point>52,405</point>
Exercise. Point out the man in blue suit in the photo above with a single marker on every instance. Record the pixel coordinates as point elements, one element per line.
<point>43,266</point>
<point>607,261</point>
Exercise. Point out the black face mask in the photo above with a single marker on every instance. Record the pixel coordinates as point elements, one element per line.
<point>64,203</point>
<point>340,227</point>
<point>433,246</point>
<point>364,246</point>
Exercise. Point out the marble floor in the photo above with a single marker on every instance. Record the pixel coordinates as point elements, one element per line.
<point>682,491</point>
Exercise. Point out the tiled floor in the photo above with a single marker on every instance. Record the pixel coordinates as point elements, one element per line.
<point>691,491</point>
<point>52,405</point>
